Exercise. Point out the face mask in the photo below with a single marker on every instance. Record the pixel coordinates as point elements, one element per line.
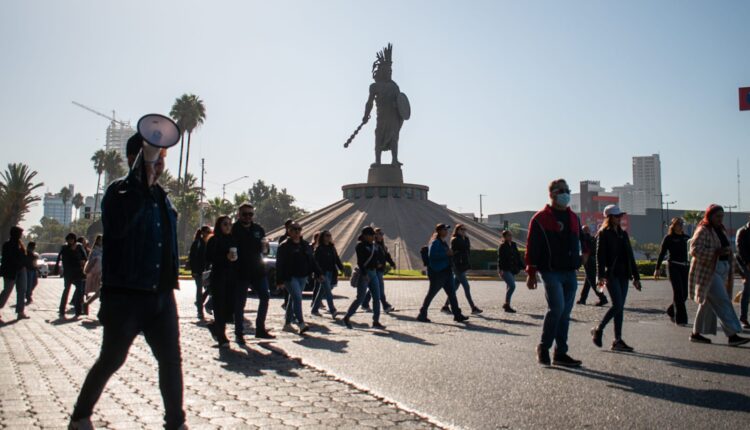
<point>562,199</point>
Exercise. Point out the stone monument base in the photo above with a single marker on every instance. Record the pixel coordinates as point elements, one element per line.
<point>385,174</point>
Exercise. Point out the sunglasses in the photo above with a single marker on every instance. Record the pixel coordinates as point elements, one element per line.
<point>295,229</point>
<point>247,213</point>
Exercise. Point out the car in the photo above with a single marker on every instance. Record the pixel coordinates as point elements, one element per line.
<point>269,260</point>
<point>42,268</point>
<point>51,258</point>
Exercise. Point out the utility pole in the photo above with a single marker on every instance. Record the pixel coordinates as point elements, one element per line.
<point>481,213</point>
<point>661,210</point>
<point>739,205</point>
<point>203,190</point>
<point>730,207</point>
<point>224,187</point>
<point>667,220</point>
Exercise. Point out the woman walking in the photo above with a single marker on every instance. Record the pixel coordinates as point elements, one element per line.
<point>367,265</point>
<point>509,264</point>
<point>32,277</point>
<point>221,254</point>
<point>440,274</point>
<point>383,257</point>
<point>711,279</point>
<point>295,262</point>
<point>616,267</point>
<point>13,271</point>
<point>461,247</point>
<point>675,243</point>
<point>329,262</point>
<point>197,264</point>
<point>93,271</point>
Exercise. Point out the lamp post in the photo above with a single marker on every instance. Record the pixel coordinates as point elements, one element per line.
<point>730,207</point>
<point>669,203</point>
<point>661,210</point>
<point>224,187</point>
<point>481,214</point>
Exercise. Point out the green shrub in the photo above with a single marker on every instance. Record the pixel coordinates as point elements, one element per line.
<point>483,259</point>
<point>348,269</point>
<point>646,268</point>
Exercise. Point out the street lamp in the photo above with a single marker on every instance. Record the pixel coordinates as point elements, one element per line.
<point>661,210</point>
<point>730,219</point>
<point>224,187</point>
<point>669,203</point>
<point>481,215</point>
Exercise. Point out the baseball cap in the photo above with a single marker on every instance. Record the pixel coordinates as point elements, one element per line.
<point>613,210</point>
<point>442,227</point>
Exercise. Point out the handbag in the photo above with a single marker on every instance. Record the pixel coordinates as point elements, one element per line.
<point>206,277</point>
<point>357,274</point>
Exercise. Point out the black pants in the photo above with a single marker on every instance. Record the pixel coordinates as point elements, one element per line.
<point>259,285</point>
<point>441,280</point>
<point>78,294</point>
<point>590,283</point>
<point>123,316</point>
<point>678,277</point>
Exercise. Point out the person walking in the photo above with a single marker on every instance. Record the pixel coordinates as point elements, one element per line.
<point>250,238</point>
<point>295,262</point>
<point>509,264</point>
<point>330,264</point>
<point>13,271</point>
<point>383,257</point>
<point>196,262</point>
<point>367,264</point>
<point>73,257</point>
<point>139,275</point>
<point>743,261</point>
<point>711,279</point>
<point>93,272</point>
<point>554,249</point>
<point>222,255</point>
<point>675,243</point>
<point>615,268</point>
<point>32,275</point>
<point>461,248</point>
<point>440,275</point>
<point>589,270</point>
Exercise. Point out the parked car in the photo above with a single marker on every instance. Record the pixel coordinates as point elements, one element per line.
<point>42,268</point>
<point>51,258</point>
<point>269,260</point>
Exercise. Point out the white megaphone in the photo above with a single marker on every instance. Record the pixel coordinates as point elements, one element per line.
<point>159,132</point>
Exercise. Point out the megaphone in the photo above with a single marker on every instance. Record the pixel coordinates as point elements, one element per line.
<point>159,132</point>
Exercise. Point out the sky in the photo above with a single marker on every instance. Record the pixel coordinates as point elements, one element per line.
<point>505,95</point>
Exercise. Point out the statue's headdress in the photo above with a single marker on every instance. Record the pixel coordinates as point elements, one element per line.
<point>383,62</point>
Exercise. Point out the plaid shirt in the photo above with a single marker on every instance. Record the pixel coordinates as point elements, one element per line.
<point>703,248</point>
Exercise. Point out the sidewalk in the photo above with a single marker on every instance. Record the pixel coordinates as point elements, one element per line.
<point>43,362</point>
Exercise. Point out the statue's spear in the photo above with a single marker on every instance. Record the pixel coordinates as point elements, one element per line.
<point>346,145</point>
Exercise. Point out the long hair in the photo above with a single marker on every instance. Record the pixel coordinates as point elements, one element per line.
<point>316,239</point>
<point>607,223</point>
<point>98,240</point>
<point>217,225</point>
<point>15,236</point>
<point>198,234</point>
<point>674,223</point>
<point>455,230</point>
<point>710,211</point>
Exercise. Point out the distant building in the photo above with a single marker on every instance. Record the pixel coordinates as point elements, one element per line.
<point>87,211</point>
<point>55,209</point>
<point>117,139</point>
<point>646,183</point>
<point>626,195</point>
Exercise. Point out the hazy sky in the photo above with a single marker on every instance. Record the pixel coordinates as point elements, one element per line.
<point>505,94</point>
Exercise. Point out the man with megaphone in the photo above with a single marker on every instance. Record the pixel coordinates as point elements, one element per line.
<point>139,275</point>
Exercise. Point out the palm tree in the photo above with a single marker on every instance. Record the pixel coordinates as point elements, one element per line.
<point>65,196</point>
<point>217,207</point>
<point>113,165</point>
<point>196,114</point>
<point>98,160</point>
<point>692,218</point>
<point>77,202</point>
<point>16,187</point>
<point>180,111</point>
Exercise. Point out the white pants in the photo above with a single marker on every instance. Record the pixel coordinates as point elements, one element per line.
<point>719,305</point>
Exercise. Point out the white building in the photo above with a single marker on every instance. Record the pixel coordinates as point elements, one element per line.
<point>626,194</point>
<point>646,183</point>
<point>87,210</point>
<point>117,139</point>
<point>55,209</point>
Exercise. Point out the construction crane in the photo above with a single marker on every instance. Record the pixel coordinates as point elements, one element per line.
<point>111,118</point>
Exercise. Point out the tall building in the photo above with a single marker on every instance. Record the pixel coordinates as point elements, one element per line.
<point>592,199</point>
<point>646,183</point>
<point>626,196</point>
<point>87,210</point>
<point>118,134</point>
<point>55,209</point>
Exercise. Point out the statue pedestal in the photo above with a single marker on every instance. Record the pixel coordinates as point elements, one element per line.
<point>385,174</point>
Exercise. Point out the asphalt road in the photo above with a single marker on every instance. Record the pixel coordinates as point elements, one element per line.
<point>484,375</point>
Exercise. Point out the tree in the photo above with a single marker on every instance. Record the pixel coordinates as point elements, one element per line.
<point>187,221</point>
<point>215,208</point>
<point>77,201</point>
<point>692,218</point>
<point>179,112</point>
<point>113,165</point>
<point>65,196</point>
<point>272,206</point>
<point>98,159</point>
<point>48,235</point>
<point>16,189</point>
<point>650,250</point>
<point>189,112</point>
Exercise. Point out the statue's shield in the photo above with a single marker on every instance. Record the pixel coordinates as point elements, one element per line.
<point>404,108</point>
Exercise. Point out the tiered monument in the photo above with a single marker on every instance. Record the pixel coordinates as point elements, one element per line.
<point>402,210</point>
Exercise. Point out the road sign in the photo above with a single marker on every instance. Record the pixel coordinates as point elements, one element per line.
<point>745,98</point>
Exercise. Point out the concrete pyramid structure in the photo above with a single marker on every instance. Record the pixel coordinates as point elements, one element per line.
<point>402,210</point>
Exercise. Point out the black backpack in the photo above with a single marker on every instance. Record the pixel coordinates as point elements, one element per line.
<point>425,253</point>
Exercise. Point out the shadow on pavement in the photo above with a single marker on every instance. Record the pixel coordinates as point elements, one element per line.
<point>647,311</point>
<point>91,324</point>
<point>403,337</point>
<point>253,363</point>
<point>706,398</point>
<point>716,367</point>
<point>504,321</point>
<point>338,346</point>
<point>472,327</point>
<point>62,321</point>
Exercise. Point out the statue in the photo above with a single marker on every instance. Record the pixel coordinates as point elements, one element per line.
<point>392,108</point>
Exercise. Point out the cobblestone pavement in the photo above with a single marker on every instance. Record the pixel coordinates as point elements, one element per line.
<point>43,362</point>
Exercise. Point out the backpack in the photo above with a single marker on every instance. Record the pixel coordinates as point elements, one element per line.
<point>424,252</point>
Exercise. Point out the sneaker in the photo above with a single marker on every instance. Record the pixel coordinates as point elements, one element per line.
<point>735,340</point>
<point>745,324</point>
<point>460,318</point>
<point>29,301</point>
<point>508,309</point>
<point>347,323</point>
<point>602,301</point>
<point>334,314</point>
<point>621,346</point>
<point>376,324</point>
<point>366,308</point>
<point>446,310</point>
<point>423,318</point>
<point>316,313</point>
<point>596,336</point>
<point>263,334</point>
<point>581,302</point>
<point>565,360</point>
<point>288,328</point>
<point>476,311</point>
<point>388,308</point>
<point>82,424</point>
<point>697,338</point>
<point>303,328</point>
<point>542,355</point>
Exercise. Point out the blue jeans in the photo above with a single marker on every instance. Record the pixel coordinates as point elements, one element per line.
<point>745,300</point>
<point>459,278</point>
<point>19,282</point>
<point>510,282</point>
<point>294,287</point>
<point>560,292</point>
<point>123,316</point>
<point>618,292</point>
<point>440,280</point>
<point>719,303</point>
<point>368,281</point>
<point>381,284</point>
<point>77,295</point>
<point>324,292</point>
<point>259,285</point>
<point>31,281</point>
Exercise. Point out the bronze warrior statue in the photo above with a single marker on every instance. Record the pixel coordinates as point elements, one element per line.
<point>392,107</point>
